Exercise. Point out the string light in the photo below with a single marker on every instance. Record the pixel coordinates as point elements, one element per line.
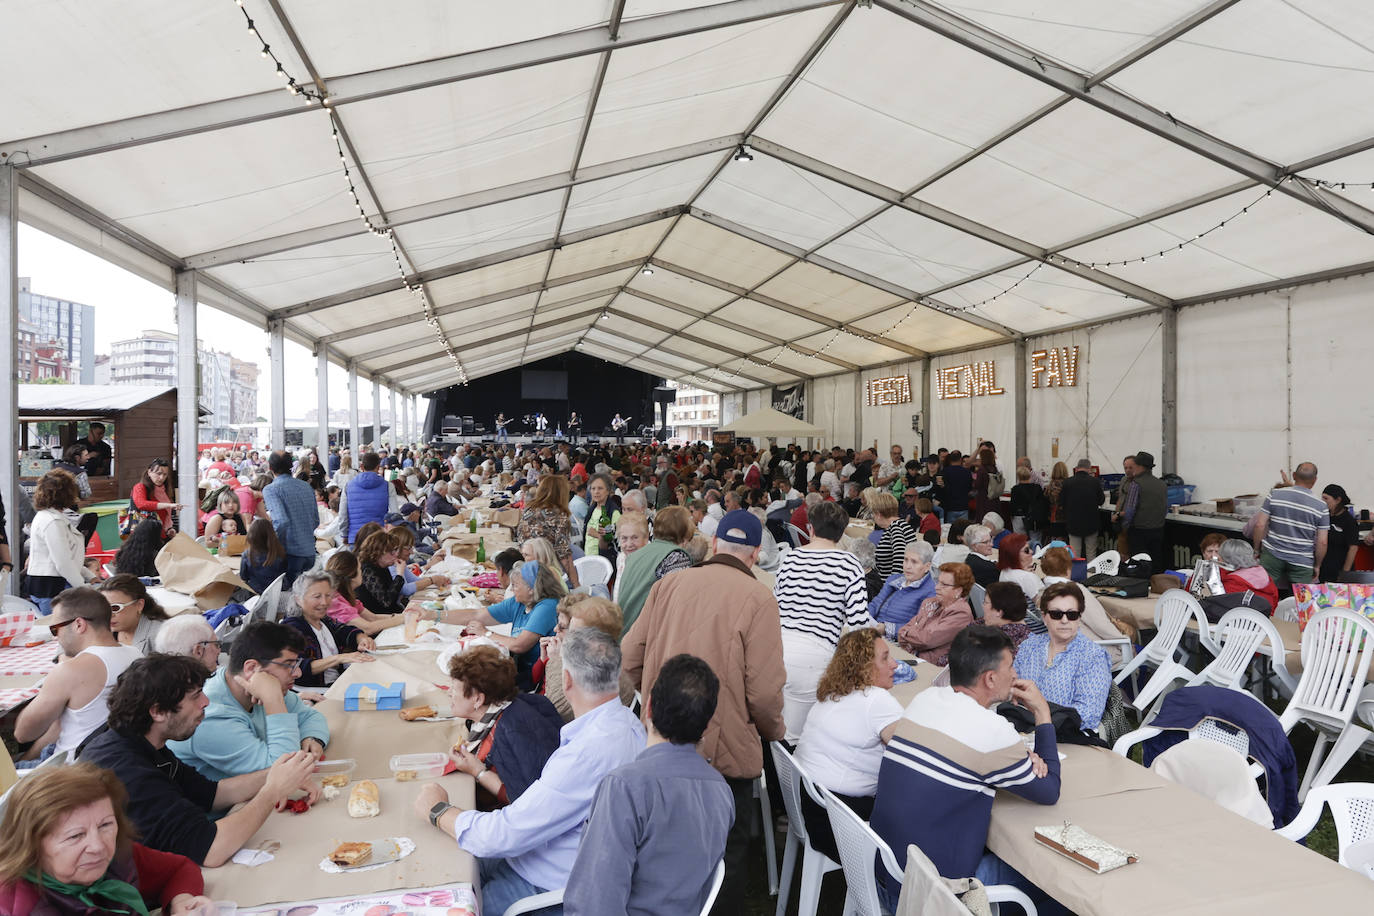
<point>311,96</point>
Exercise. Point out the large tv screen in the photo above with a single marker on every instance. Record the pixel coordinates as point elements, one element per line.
<point>542,385</point>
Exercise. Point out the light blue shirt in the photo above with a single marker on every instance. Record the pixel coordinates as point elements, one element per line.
<point>538,833</point>
<point>1080,676</point>
<point>232,741</point>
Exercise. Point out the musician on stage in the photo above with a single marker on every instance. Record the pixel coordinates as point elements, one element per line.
<point>618,424</point>
<point>501,423</point>
<point>541,423</point>
<point>574,427</point>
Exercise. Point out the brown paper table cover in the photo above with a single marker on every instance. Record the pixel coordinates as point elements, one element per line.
<point>294,875</point>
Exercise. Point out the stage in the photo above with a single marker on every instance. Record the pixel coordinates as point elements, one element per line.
<point>488,439</point>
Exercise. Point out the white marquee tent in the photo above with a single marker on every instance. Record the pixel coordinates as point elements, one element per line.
<point>751,193</point>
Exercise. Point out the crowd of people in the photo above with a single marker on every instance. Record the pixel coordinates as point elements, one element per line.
<point>744,606</point>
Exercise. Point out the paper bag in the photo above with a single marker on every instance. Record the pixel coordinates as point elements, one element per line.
<point>232,545</point>
<point>510,518</point>
<point>189,568</point>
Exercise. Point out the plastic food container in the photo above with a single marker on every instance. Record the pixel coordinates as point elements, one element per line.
<point>418,766</point>
<point>343,765</point>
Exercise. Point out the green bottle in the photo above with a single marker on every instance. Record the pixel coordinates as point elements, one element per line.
<point>472,523</point>
<point>481,550</point>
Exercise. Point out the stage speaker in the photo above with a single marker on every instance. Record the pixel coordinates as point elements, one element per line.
<point>467,425</point>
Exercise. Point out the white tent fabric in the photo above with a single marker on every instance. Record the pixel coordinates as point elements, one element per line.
<point>816,187</point>
<point>769,422</point>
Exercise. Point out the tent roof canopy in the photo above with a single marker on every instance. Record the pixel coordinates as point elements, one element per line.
<point>805,199</point>
<point>769,422</point>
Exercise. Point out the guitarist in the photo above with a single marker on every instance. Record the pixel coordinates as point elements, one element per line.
<point>501,423</point>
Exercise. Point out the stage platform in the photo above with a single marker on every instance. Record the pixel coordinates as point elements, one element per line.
<point>486,439</point>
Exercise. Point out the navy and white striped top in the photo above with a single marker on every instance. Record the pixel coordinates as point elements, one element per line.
<point>1296,514</point>
<point>891,549</point>
<point>819,592</point>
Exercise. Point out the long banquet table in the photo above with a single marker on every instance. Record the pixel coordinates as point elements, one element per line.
<point>1195,856</point>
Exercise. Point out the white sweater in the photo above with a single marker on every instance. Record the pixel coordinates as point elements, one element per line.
<point>55,547</point>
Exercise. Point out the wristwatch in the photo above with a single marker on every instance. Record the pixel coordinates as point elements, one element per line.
<point>437,812</point>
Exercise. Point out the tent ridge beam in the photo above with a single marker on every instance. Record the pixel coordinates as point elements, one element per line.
<point>690,338</point>
<point>1269,286</point>
<point>1114,102</point>
<point>649,347</point>
<point>710,318</point>
<point>343,90</point>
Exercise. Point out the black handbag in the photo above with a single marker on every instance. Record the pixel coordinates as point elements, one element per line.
<point>1216,606</point>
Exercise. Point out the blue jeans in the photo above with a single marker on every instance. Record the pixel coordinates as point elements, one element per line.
<point>992,870</point>
<point>502,886</point>
<point>44,605</point>
<point>953,515</point>
<point>294,567</point>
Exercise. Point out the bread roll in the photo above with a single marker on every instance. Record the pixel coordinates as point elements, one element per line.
<point>364,800</point>
<point>416,712</point>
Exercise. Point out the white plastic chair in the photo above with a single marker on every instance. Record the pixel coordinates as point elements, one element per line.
<point>1142,556</point>
<point>270,605</point>
<point>1105,563</point>
<point>1337,647</point>
<point>593,570</point>
<point>1287,609</point>
<point>796,534</point>
<point>770,843</point>
<point>1352,808</point>
<point>1242,633</point>
<point>975,600</point>
<point>859,846</point>
<point>922,882</point>
<point>716,882</point>
<point>815,865</point>
<point>1173,610</point>
<point>535,902</point>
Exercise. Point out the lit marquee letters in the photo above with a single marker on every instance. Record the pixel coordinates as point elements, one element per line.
<point>1056,367</point>
<point>969,381</point>
<point>885,392</point>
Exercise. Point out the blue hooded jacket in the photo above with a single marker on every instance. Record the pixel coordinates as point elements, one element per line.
<point>367,499</point>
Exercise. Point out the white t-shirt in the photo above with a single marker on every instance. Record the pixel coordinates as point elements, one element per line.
<point>328,647</point>
<point>831,483</point>
<point>841,747</point>
<point>1030,583</point>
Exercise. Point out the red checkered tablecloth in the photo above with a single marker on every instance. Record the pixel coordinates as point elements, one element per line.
<point>21,664</point>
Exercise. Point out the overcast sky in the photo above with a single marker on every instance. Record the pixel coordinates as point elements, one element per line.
<point>126,304</point>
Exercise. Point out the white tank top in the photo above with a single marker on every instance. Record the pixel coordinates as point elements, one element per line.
<point>78,723</point>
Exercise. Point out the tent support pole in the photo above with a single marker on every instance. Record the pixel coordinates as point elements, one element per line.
<point>9,359</point>
<point>1168,459</point>
<point>353,412</point>
<point>376,413</point>
<point>927,366</point>
<point>322,400</point>
<point>188,401</point>
<point>1022,442</point>
<point>395,428</point>
<point>276,330</point>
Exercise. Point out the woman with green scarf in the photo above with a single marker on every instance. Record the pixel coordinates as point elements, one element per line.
<point>69,851</point>
<point>601,518</point>
<point>664,554</point>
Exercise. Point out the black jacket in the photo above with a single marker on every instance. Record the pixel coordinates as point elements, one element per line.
<point>1079,499</point>
<point>345,637</point>
<point>985,571</point>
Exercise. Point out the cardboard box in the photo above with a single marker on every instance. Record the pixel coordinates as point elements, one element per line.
<point>1227,505</point>
<point>362,697</point>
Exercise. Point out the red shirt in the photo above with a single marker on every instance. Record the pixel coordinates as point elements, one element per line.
<point>801,521</point>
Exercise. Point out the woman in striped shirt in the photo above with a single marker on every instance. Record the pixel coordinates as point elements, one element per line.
<point>820,591</point>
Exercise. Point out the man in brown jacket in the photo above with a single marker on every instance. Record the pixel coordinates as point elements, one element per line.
<point>719,612</point>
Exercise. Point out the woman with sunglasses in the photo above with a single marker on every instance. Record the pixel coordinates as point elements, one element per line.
<point>135,616</point>
<point>1068,667</point>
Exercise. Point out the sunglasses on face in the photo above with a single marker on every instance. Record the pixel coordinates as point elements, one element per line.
<point>1060,615</point>
<point>56,628</point>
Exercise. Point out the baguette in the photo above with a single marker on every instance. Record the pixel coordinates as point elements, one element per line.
<point>364,800</point>
<point>417,712</point>
<point>349,855</point>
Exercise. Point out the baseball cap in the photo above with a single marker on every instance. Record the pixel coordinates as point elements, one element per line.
<point>395,518</point>
<point>407,508</point>
<point>738,526</point>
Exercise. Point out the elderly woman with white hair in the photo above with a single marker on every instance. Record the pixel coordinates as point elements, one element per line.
<point>903,592</point>
<point>982,558</point>
<point>1242,572</point>
<point>190,635</point>
<point>997,526</point>
<point>330,646</point>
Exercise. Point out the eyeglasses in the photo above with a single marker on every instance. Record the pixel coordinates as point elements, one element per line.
<point>55,628</point>
<point>292,665</point>
<point>116,608</point>
<point>1060,615</point>
<point>208,642</point>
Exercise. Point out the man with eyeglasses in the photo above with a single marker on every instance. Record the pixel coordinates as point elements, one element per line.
<point>71,703</point>
<point>161,700</point>
<point>254,717</point>
<point>949,756</point>
<point>190,635</point>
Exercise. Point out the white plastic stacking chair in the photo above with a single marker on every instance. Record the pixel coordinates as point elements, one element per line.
<point>796,534</point>
<point>976,595</point>
<point>716,881</point>
<point>1209,729</point>
<point>593,570</point>
<point>1337,647</point>
<point>1352,808</point>
<point>770,847</point>
<point>1242,633</point>
<point>1173,610</point>
<point>534,903</point>
<point>1287,609</point>
<point>815,865</point>
<point>922,883</point>
<point>1105,563</point>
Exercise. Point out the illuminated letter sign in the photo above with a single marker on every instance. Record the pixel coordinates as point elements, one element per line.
<point>1056,367</point>
<point>970,381</point>
<point>884,392</point>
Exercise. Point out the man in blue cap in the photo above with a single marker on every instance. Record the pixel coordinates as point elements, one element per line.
<point>721,614</point>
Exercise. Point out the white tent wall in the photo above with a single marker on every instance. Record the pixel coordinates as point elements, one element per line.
<point>832,407</point>
<point>891,425</point>
<point>958,423</point>
<point>1113,410</point>
<point>758,399</point>
<point>1267,381</point>
<point>731,407</point>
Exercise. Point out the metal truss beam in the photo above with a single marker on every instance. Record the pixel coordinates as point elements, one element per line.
<point>344,90</point>
<point>630,356</point>
<point>261,248</point>
<point>1103,96</point>
<point>661,345</point>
